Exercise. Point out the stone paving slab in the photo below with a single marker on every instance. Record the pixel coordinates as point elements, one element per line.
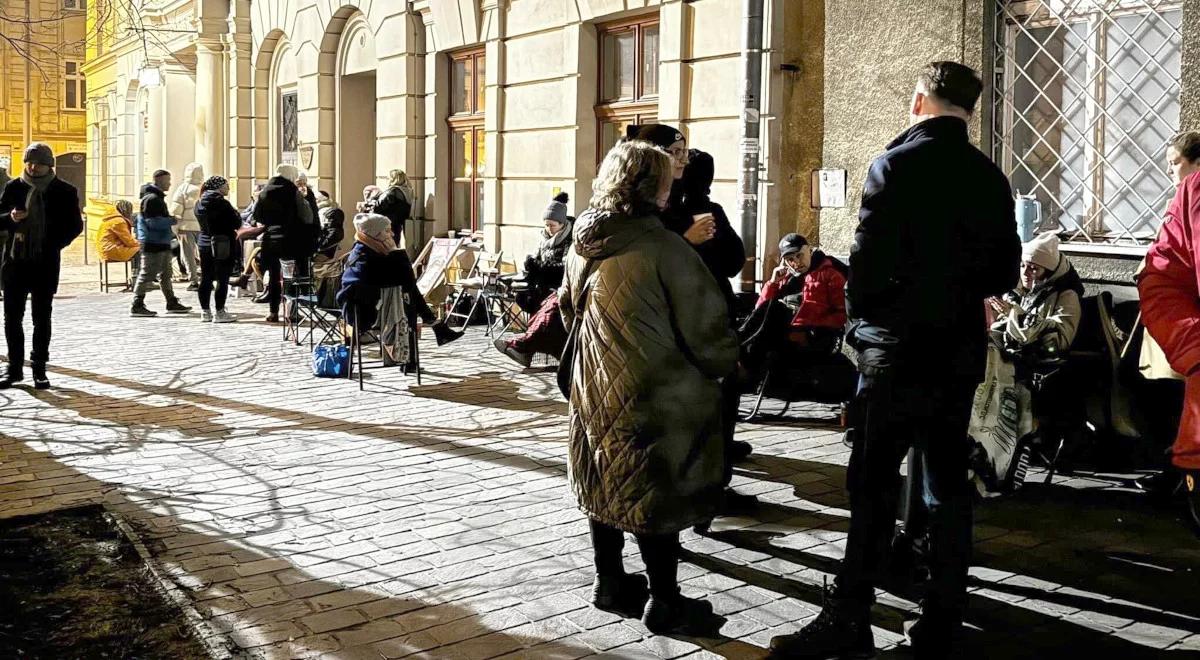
<point>305,518</point>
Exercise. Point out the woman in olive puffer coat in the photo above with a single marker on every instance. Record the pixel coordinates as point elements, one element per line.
<point>645,446</point>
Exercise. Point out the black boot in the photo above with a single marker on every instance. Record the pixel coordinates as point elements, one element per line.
<point>622,593</point>
<point>14,374</point>
<point>40,380</point>
<point>934,637</point>
<point>841,630</point>
<point>676,614</point>
<point>445,334</point>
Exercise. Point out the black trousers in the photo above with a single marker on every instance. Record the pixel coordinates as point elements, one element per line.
<point>213,272</point>
<point>660,554</point>
<point>896,409</point>
<point>36,282</point>
<point>768,329</point>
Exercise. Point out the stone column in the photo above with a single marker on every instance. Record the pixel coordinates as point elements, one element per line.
<point>493,122</point>
<point>239,165</point>
<point>210,102</point>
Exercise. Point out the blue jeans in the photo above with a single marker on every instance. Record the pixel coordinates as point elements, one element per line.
<point>897,408</point>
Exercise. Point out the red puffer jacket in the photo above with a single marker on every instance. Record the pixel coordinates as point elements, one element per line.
<point>822,300</point>
<point>1169,287</point>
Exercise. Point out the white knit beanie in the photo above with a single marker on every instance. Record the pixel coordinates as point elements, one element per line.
<point>372,224</point>
<point>1042,250</point>
<point>289,172</point>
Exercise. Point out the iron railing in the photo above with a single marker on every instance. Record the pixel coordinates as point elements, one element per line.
<point>1085,98</point>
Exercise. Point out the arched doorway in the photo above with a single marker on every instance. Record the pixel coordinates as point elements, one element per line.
<point>355,111</point>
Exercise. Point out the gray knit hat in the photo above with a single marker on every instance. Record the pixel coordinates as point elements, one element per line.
<point>40,153</point>
<point>372,224</point>
<point>557,209</point>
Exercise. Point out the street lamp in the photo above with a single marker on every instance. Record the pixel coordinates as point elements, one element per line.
<point>149,76</point>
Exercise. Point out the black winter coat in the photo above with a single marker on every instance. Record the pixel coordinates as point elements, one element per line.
<point>154,202</point>
<point>724,254</point>
<point>393,205</point>
<point>333,230</point>
<point>936,237</point>
<point>282,210</point>
<point>64,220</point>
<point>217,217</point>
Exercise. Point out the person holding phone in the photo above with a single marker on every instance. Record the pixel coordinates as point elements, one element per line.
<point>41,213</point>
<point>815,325</point>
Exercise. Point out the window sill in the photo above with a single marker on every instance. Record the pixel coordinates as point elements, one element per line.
<point>1099,250</point>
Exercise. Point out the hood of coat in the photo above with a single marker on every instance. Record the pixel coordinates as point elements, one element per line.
<point>193,174</point>
<point>151,189</point>
<point>601,234</point>
<point>696,183</point>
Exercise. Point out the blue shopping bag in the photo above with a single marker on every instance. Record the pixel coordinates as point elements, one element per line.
<point>331,361</point>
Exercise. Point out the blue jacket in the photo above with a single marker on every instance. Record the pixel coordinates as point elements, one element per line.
<point>155,231</point>
<point>937,235</point>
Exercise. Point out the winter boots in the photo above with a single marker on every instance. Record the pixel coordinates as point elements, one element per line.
<point>841,630</point>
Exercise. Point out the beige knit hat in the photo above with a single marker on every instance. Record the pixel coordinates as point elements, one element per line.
<point>1042,250</point>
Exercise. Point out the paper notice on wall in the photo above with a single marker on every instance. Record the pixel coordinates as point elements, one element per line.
<point>828,189</point>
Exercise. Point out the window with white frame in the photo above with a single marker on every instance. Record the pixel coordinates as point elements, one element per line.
<point>1086,96</point>
<point>74,87</point>
<point>77,5</point>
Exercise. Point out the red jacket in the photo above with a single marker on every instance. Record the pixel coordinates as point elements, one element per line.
<point>1169,288</point>
<point>823,297</point>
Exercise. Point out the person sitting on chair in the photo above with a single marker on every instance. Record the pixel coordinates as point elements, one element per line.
<point>333,221</point>
<point>1039,318</point>
<point>375,262</point>
<point>544,273</point>
<point>116,243</point>
<point>815,326</point>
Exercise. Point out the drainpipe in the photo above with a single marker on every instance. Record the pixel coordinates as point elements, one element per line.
<point>752,46</point>
<point>27,119</point>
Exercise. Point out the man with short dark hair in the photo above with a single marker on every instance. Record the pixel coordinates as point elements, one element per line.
<point>41,213</point>
<point>936,237</point>
<point>154,232</point>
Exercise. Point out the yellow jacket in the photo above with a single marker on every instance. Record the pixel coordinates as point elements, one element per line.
<point>114,240</point>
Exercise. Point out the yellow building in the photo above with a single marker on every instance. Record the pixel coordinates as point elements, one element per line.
<point>52,72</point>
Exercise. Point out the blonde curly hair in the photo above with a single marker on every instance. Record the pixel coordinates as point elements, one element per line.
<point>630,178</point>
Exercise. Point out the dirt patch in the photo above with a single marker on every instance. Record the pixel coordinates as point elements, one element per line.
<point>73,586</point>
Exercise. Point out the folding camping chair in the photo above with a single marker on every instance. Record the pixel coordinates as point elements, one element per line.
<point>296,287</point>
<point>481,286</point>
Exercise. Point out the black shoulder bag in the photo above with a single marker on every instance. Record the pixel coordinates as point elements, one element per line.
<point>566,362</point>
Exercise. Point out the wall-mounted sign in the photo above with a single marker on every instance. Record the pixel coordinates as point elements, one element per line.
<point>828,189</point>
<point>306,156</point>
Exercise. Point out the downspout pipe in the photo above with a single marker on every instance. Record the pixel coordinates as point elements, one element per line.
<point>749,146</point>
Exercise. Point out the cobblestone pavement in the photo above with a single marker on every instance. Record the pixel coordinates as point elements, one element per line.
<point>306,518</point>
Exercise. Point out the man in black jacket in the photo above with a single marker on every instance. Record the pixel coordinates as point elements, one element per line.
<point>936,237</point>
<point>41,214</point>
<point>284,211</point>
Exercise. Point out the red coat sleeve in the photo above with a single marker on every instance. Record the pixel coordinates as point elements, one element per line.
<point>769,292</point>
<point>823,304</point>
<point>1167,285</point>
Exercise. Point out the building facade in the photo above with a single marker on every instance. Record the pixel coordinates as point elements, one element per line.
<point>41,66</point>
<point>492,106</point>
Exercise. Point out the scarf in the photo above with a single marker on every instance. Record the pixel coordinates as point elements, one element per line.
<point>553,245</point>
<point>29,235</point>
<point>371,242</point>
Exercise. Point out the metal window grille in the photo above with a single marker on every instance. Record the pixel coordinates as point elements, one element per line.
<point>1086,96</point>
